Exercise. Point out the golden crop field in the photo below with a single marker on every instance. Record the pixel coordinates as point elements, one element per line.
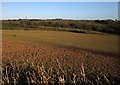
<point>39,57</point>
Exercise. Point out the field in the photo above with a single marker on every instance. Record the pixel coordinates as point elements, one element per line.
<point>59,57</point>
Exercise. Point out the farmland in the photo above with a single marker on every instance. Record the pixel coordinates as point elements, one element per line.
<point>108,43</point>
<point>39,56</point>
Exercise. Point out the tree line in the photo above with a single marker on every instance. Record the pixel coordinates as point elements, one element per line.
<point>105,26</point>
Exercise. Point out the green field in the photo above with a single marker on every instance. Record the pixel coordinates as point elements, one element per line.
<point>107,43</point>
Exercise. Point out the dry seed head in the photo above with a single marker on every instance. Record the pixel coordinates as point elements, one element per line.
<point>61,79</point>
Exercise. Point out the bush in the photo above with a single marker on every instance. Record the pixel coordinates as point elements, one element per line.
<point>106,26</point>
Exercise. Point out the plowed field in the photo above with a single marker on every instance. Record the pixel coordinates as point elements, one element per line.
<point>62,49</point>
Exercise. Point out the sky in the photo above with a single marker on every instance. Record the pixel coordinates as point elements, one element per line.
<point>60,0</point>
<point>65,10</point>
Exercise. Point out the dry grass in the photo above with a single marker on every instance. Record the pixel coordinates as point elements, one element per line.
<point>27,63</point>
<point>107,43</point>
<point>30,74</point>
<point>43,57</point>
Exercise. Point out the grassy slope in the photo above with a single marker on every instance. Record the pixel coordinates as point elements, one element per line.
<point>89,41</point>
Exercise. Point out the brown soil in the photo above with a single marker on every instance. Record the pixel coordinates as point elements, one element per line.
<point>68,57</point>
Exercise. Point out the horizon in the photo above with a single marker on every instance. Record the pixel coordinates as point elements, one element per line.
<point>56,18</point>
<point>64,10</point>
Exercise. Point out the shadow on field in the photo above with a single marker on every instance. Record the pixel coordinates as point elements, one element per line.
<point>99,52</point>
